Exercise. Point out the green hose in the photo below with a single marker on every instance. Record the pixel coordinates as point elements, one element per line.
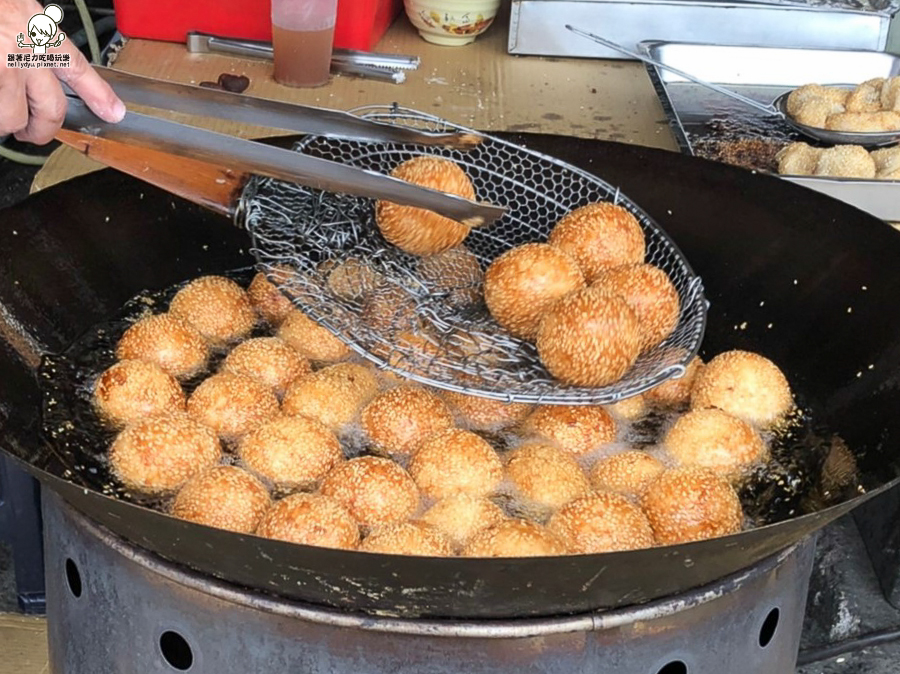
<point>21,157</point>
<point>93,43</point>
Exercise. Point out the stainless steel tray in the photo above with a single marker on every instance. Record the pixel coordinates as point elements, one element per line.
<point>704,121</point>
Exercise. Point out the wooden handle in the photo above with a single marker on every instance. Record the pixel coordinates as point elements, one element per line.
<point>215,187</point>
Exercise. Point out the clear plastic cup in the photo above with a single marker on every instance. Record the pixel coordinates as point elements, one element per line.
<point>302,37</point>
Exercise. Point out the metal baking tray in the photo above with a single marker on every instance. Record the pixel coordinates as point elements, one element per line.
<point>704,121</point>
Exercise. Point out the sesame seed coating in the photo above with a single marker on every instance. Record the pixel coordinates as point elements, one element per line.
<point>231,404</point>
<point>485,414</point>
<point>628,473</point>
<point>629,409</point>
<point>333,395</point>
<point>576,428</point>
<point>351,279</point>
<point>375,490</point>
<point>132,390</point>
<point>310,339</point>
<point>167,341</point>
<point>546,475</point>
<point>267,300</point>
<point>515,538</point>
<point>310,519</point>
<point>225,497</point>
<point>416,230</point>
<point>408,538</point>
<point>268,360</point>
<point>460,516</point>
<point>453,461</point>
<point>676,392</point>
<point>456,272</point>
<point>400,418</point>
<point>217,307</point>
<point>602,522</point>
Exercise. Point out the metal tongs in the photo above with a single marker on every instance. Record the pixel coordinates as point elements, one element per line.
<point>202,147</point>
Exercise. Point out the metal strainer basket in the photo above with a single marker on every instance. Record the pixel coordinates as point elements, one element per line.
<point>325,252</point>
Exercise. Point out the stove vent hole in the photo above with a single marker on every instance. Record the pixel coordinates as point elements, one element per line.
<point>767,631</point>
<point>674,667</point>
<point>73,578</point>
<point>176,651</point>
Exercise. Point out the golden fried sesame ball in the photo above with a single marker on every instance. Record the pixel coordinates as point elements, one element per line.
<point>310,519</point>
<point>546,475</point>
<point>521,284</point>
<point>456,273</point>
<point>628,473</point>
<point>887,161</point>
<point>845,161</point>
<point>217,307</point>
<point>602,522</point>
<point>350,279</point>
<point>268,301</point>
<point>408,538</point>
<point>311,340</point>
<point>159,455</point>
<point>810,91</point>
<point>413,352</point>
<point>676,392</point>
<point>390,309</point>
<point>647,290</point>
<point>484,414</point>
<point>291,452</point>
<point>744,384</point>
<point>333,395</point>
<point>416,230</point>
<point>232,405</point>
<point>453,461</point>
<point>515,538</point>
<point>268,360</point>
<point>711,438</point>
<point>400,418</point>
<point>575,428</point>
<point>629,409</point>
<point>460,516</point>
<point>132,390</point>
<point>866,122</point>
<point>589,338</point>
<point>865,97</point>
<point>816,111</point>
<point>890,94</point>
<point>225,497</point>
<point>167,341</point>
<point>691,504</point>
<point>375,490</point>
<point>599,236</point>
<point>798,159</point>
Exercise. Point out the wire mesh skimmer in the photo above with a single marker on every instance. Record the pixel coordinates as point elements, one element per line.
<point>325,252</point>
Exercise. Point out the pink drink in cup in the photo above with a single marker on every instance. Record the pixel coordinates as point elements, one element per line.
<point>302,37</point>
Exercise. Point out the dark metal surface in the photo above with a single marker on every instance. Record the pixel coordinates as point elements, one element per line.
<point>807,281</point>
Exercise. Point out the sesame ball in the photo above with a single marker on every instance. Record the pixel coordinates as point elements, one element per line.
<point>515,538</point>
<point>744,384</point>
<point>628,473</point>
<point>455,273</point>
<point>676,392</point>
<point>268,360</point>
<point>602,522</point>
<point>484,414</point>
<point>159,455</point>
<point>291,452</point>
<point>225,497</point>
<point>460,516</point>
<point>546,475</point>
<point>576,428</point>
<point>217,307</point>
<point>310,519</point>
<point>599,236</point>
<point>333,395</point>
<point>132,390</point>
<point>376,491</point>
<point>408,538</point>
<point>691,504</point>
<point>416,230</point>
<point>390,310</point>
<point>521,284</point>
<point>400,418</point>
<point>267,300</point>
<point>629,409</point>
<point>589,338</point>
<point>351,279</point>
<point>232,405</point>
<point>311,340</point>
<point>453,461</point>
<point>167,341</point>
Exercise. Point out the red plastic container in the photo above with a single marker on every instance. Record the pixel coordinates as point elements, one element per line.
<point>360,23</point>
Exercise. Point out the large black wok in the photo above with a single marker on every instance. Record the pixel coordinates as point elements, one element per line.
<point>808,281</point>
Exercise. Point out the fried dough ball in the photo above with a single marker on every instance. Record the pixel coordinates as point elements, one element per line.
<point>217,307</point>
<point>310,339</point>
<point>291,452</point>
<point>589,338</point>
<point>485,414</point>
<point>575,428</point>
<point>628,473</point>
<point>647,290</point>
<point>599,236</point>
<point>744,384</point>
<point>884,120</point>
<point>225,497</point>
<point>159,455</point>
<point>270,304</point>
<point>416,230</point>
<point>602,522</point>
<point>546,475</point>
<point>676,392</point>
<point>351,279</point>
<point>887,162</point>
<point>890,94</point>
<point>167,341</point>
<point>816,111</point>
<point>408,538</point>
<point>268,360</point>
<point>521,284</point>
<point>845,161</point>
<point>333,395</point>
<point>456,273</point>
<point>711,438</point>
<point>691,504</point>
<point>460,516</point>
<point>454,461</point>
<point>866,97</point>
<point>515,538</point>
<point>391,309</point>
<point>132,390</point>
<point>232,405</point>
<point>798,159</point>
<point>310,519</point>
<point>399,419</point>
<point>808,92</point>
<point>376,491</point>
<point>629,409</point>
